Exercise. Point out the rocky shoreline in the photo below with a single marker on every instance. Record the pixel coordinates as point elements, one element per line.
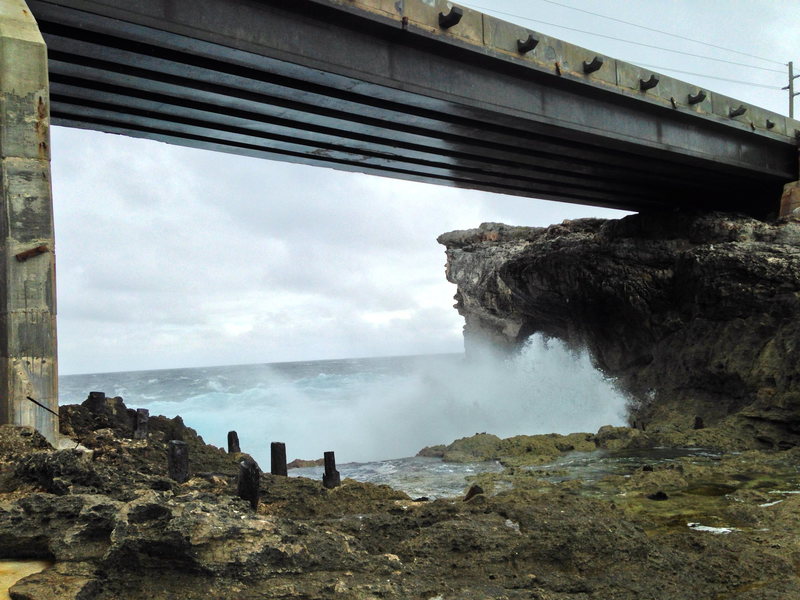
<point>114,525</point>
<point>695,316</point>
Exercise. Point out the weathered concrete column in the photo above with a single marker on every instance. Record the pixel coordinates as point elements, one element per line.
<point>27,262</point>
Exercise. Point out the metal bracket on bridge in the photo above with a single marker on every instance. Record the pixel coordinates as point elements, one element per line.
<point>737,112</point>
<point>649,84</point>
<point>591,67</point>
<point>525,46</point>
<point>446,21</point>
<point>698,97</point>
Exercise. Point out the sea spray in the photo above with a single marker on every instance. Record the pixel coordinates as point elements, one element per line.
<point>374,409</point>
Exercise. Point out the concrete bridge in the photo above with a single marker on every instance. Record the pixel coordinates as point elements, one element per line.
<point>412,89</point>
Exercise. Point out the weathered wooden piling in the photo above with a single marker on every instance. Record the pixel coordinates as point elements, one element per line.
<point>473,491</point>
<point>142,424</point>
<point>248,481</point>
<point>233,443</point>
<point>331,478</point>
<point>278,450</point>
<point>178,461</point>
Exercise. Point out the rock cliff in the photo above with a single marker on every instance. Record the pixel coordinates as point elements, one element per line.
<point>695,315</point>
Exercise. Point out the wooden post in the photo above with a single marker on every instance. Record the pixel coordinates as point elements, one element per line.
<point>331,478</point>
<point>233,443</point>
<point>178,461</point>
<point>248,481</point>
<point>142,420</point>
<point>96,397</point>
<point>473,491</point>
<point>278,459</point>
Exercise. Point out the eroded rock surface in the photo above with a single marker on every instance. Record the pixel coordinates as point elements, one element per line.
<point>115,527</point>
<point>694,315</point>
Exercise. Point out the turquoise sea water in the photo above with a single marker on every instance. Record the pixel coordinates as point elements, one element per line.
<point>373,411</point>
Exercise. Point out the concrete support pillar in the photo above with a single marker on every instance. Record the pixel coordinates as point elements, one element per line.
<point>27,262</point>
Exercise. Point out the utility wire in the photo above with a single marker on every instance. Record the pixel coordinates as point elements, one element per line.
<point>611,37</point>
<point>758,85</point>
<point>675,35</point>
<point>739,81</point>
<point>42,405</point>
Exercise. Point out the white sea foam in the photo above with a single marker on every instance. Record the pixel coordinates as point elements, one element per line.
<point>767,504</point>
<point>367,417</point>
<point>714,530</point>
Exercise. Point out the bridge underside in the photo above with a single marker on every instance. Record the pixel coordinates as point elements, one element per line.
<point>307,82</point>
<point>375,86</point>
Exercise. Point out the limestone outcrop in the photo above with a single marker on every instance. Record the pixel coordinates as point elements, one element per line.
<point>112,525</point>
<point>111,529</point>
<point>694,315</point>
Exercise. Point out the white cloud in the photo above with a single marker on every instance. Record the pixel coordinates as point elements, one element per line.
<point>173,256</point>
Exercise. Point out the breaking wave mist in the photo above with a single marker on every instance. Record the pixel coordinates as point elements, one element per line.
<point>374,409</point>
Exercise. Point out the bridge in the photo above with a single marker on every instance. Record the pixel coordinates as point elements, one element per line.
<point>413,89</point>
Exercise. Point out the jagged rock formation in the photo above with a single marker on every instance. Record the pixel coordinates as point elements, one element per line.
<point>694,315</point>
<point>114,526</point>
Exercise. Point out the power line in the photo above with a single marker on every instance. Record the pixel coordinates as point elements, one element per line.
<point>42,405</point>
<point>675,35</point>
<point>758,85</point>
<point>610,37</point>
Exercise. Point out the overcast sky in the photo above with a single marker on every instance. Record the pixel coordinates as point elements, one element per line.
<point>171,257</point>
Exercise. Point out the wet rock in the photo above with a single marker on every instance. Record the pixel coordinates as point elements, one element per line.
<point>481,446</point>
<point>299,463</point>
<point>518,450</point>
<point>659,495</point>
<point>617,438</point>
<point>433,451</point>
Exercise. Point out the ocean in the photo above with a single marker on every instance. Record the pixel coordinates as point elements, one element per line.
<point>375,413</point>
